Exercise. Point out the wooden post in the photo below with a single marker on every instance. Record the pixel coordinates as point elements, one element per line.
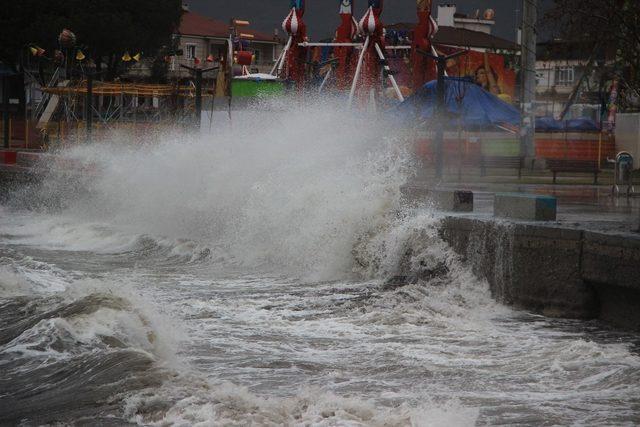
<point>26,132</point>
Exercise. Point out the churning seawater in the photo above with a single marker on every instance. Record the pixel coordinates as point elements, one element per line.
<point>270,274</point>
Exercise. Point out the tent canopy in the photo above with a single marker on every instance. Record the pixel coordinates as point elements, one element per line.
<point>549,124</point>
<point>467,104</point>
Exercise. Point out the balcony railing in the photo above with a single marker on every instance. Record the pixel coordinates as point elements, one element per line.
<point>177,72</point>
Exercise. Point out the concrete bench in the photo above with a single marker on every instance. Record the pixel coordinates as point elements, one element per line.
<point>525,207</point>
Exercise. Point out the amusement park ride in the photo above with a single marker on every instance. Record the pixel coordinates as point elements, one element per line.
<point>357,67</point>
<point>358,63</point>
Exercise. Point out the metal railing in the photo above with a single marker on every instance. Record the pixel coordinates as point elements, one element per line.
<point>46,96</point>
<point>175,69</point>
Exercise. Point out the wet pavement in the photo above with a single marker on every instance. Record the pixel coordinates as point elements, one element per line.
<point>588,207</point>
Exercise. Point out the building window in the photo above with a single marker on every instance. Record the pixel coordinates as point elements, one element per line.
<point>190,51</point>
<point>564,76</point>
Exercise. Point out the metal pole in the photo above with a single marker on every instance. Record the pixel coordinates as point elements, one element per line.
<point>5,111</point>
<point>198,72</point>
<point>283,57</point>
<point>390,76</point>
<point>358,70</point>
<point>280,62</point>
<point>198,118</point>
<point>324,81</point>
<point>439,116</point>
<point>88,106</point>
<point>527,129</point>
<point>434,52</point>
<point>441,95</point>
<point>307,44</point>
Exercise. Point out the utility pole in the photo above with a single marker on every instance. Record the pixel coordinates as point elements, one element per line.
<point>5,109</point>
<point>198,74</point>
<point>88,105</point>
<point>528,78</point>
<point>440,115</point>
<point>90,74</point>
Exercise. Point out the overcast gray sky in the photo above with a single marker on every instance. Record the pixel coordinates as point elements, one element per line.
<point>322,15</point>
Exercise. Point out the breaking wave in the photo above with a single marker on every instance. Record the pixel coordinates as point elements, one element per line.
<point>269,273</point>
<point>69,346</point>
<point>291,190</point>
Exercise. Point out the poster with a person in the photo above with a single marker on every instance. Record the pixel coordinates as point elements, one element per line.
<point>488,70</point>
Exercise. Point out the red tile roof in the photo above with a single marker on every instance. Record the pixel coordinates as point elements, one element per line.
<point>193,24</point>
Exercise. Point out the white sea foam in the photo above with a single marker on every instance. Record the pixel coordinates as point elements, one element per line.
<point>228,404</point>
<point>199,245</point>
<point>73,314</point>
<point>291,190</point>
<point>28,277</point>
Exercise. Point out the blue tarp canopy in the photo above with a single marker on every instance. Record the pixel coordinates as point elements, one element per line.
<point>467,104</point>
<point>549,124</point>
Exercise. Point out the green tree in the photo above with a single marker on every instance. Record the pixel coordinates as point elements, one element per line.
<point>613,26</point>
<point>30,21</point>
<point>105,29</point>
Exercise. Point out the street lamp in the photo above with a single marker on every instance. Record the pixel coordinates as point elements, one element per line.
<point>198,83</point>
<point>438,142</point>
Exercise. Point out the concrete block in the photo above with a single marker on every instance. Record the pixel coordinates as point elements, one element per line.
<point>525,207</point>
<point>446,200</point>
<point>452,200</point>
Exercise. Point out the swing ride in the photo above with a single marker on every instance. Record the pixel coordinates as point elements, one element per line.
<point>360,64</point>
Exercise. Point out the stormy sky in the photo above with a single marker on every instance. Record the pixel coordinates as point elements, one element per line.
<point>322,15</point>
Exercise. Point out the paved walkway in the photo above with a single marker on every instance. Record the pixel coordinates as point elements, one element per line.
<point>581,206</point>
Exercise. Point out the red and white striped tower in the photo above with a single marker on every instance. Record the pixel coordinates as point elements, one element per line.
<point>295,55</point>
<point>347,32</point>
<point>424,68</point>
<point>367,78</point>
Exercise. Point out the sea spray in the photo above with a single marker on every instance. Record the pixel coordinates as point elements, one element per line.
<point>179,282</point>
<point>290,190</point>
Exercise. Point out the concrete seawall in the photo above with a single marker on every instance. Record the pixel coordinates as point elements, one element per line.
<point>554,271</point>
